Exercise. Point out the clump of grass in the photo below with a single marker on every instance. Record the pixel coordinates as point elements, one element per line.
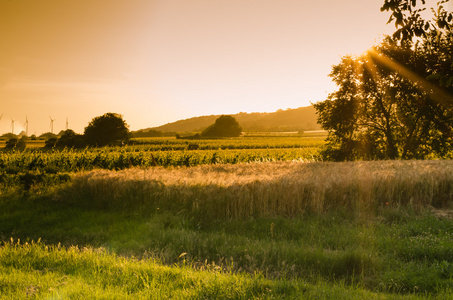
<point>270,189</point>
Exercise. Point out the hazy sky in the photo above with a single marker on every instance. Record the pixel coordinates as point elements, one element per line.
<point>158,61</point>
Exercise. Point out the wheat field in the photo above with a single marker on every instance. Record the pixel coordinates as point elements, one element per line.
<point>269,189</point>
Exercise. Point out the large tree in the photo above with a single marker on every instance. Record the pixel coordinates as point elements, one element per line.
<point>385,107</point>
<point>108,129</point>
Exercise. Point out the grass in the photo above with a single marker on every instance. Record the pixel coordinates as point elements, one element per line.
<point>42,272</point>
<point>310,236</point>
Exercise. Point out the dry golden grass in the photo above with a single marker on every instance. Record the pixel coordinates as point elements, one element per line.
<point>271,189</point>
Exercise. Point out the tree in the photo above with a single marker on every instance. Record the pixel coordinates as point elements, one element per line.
<point>396,100</point>
<point>409,22</point>
<point>435,34</point>
<point>50,143</point>
<point>48,135</point>
<point>70,139</point>
<point>224,126</point>
<point>384,108</point>
<point>15,143</point>
<point>108,129</point>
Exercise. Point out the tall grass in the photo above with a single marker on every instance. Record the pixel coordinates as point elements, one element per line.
<point>269,189</point>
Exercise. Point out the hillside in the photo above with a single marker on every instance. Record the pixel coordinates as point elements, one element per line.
<point>298,119</point>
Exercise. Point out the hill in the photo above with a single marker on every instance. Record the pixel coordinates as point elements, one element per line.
<point>298,119</point>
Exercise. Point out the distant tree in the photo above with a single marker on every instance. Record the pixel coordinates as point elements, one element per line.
<point>48,135</point>
<point>51,143</point>
<point>11,143</point>
<point>70,139</point>
<point>224,126</point>
<point>9,135</point>
<point>108,129</point>
<point>17,144</point>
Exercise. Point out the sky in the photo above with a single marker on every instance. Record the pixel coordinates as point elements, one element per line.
<point>159,61</point>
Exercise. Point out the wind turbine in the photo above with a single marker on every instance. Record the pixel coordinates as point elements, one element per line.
<point>12,126</point>
<point>51,124</point>
<point>26,125</point>
<point>67,123</point>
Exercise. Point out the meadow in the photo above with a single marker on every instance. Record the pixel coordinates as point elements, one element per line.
<point>265,221</point>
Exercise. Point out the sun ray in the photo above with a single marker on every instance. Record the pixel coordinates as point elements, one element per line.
<point>422,84</point>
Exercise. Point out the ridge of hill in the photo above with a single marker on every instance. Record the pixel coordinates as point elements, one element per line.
<point>297,119</point>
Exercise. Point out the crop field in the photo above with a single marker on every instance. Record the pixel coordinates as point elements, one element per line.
<point>161,152</point>
<point>257,217</point>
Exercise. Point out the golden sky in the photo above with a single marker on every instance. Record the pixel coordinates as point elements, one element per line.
<point>158,61</point>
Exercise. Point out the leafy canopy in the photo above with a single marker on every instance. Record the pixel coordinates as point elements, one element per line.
<point>396,100</point>
<point>70,139</point>
<point>108,129</point>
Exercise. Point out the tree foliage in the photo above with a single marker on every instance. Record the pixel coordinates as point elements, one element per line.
<point>396,100</point>
<point>70,139</point>
<point>108,129</point>
<point>224,126</point>
<point>408,19</point>
<point>16,144</point>
<point>436,34</point>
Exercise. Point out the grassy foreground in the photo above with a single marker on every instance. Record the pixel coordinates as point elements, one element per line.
<point>42,272</point>
<point>359,230</point>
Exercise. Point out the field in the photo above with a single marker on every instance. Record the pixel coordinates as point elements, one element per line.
<point>251,218</point>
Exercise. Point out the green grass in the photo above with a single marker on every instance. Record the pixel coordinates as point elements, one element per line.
<point>33,270</point>
<point>359,230</point>
<point>396,254</point>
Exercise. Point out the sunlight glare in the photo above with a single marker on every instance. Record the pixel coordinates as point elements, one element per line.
<point>421,83</point>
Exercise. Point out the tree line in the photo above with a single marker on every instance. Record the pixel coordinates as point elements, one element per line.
<point>107,130</point>
<point>111,130</point>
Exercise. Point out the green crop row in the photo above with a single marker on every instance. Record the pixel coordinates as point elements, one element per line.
<point>162,144</point>
<point>73,161</point>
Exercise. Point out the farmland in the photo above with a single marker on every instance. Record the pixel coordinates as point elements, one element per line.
<point>162,152</point>
<point>251,217</point>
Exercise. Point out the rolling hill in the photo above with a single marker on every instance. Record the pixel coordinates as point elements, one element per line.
<point>298,119</point>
